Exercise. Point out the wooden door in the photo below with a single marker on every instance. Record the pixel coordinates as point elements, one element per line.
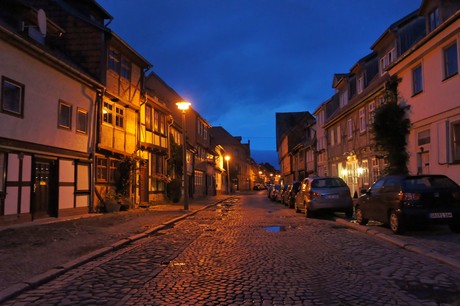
<point>43,195</point>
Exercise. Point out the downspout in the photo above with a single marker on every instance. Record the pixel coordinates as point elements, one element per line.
<point>171,122</point>
<point>95,140</point>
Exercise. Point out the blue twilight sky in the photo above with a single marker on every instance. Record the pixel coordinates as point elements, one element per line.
<point>240,61</point>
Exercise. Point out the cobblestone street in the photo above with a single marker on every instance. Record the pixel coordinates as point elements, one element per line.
<point>254,252</point>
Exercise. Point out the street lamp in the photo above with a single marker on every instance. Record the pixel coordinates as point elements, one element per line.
<point>183,106</point>
<point>227,158</point>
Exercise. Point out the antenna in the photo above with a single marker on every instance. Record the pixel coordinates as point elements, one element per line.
<point>41,19</point>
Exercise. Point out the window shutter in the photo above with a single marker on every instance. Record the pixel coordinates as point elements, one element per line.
<point>444,146</point>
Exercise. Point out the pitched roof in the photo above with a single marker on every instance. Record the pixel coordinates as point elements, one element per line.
<point>285,122</point>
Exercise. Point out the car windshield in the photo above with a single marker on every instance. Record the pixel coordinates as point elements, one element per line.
<point>328,183</point>
<point>426,182</point>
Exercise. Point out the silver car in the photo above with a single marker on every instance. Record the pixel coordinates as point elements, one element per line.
<point>323,194</point>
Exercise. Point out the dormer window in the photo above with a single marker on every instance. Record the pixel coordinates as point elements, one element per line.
<point>343,98</point>
<point>434,20</point>
<point>386,60</point>
<point>360,84</point>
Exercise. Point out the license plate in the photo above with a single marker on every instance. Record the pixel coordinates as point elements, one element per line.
<point>441,215</point>
<point>332,196</point>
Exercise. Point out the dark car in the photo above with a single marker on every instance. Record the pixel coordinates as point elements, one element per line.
<point>289,194</point>
<point>403,200</point>
<point>319,194</point>
<point>273,191</point>
<point>280,193</point>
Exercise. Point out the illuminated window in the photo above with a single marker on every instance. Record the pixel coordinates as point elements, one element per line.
<point>148,117</point>
<point>107,113</point>
<point>119,117</point>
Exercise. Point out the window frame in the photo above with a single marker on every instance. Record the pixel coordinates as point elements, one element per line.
<point>417,80</point>
<point>125,68</point>
<point>362,119</point>
<point>20,102</point>
<point>371,110</point>
<point>350,128</point>
<point>148,118</point>
<point>114,60</point>
<point>447,60</point>
<point>338,135</point>
<point>360,84</point>
<point>433,19</point>
<point>3,171</point>
<point>455,140</point>
<point>61,124</point>
<point>81,111</point>
<point>423,137</point>
<point>119,117</point>
<point>107,113</point>
<point>343,98</point>
<point>101,169</point>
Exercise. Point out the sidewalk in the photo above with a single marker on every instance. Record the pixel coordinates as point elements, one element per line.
<point>35,252</point>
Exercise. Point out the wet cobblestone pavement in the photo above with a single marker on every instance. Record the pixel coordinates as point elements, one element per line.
<point>254,252</point>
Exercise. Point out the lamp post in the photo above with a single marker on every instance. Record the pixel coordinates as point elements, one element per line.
<point>227,158</point>
<point>183,106</point>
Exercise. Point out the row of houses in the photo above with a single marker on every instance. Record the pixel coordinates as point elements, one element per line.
<point>84,120</point>
<point>422,50</point>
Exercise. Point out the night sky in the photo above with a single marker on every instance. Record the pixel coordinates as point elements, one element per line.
<point>240,61</point>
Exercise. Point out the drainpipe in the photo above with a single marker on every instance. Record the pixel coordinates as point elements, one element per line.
<point>100,92</point>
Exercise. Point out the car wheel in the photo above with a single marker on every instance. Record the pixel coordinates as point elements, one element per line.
<point>297,210</point>
<point>455,227</point>
<point>395,222</point>
<point>359,216</point>
<point>308,212</point>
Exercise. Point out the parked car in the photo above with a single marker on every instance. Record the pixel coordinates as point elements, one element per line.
<point>323,194</point>
<point>279,195</point>
<point>289,194</point>
<point>403,200</point>
<point>259,187</point>
<point>273,191</point>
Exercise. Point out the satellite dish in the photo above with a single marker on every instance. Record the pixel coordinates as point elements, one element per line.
<point>41,19</point>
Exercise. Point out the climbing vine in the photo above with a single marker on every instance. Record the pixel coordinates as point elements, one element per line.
<point>391,127</point>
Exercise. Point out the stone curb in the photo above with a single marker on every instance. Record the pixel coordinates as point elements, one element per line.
<point>53,273</point>
<point>399,243</point>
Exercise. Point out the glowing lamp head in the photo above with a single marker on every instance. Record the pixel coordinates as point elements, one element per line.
<point>183,105</point>
<point>227,157</point>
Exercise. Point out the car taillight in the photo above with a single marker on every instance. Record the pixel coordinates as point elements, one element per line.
<point>314,194</point>
<point>456,195</point>
<point>409,196</point>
